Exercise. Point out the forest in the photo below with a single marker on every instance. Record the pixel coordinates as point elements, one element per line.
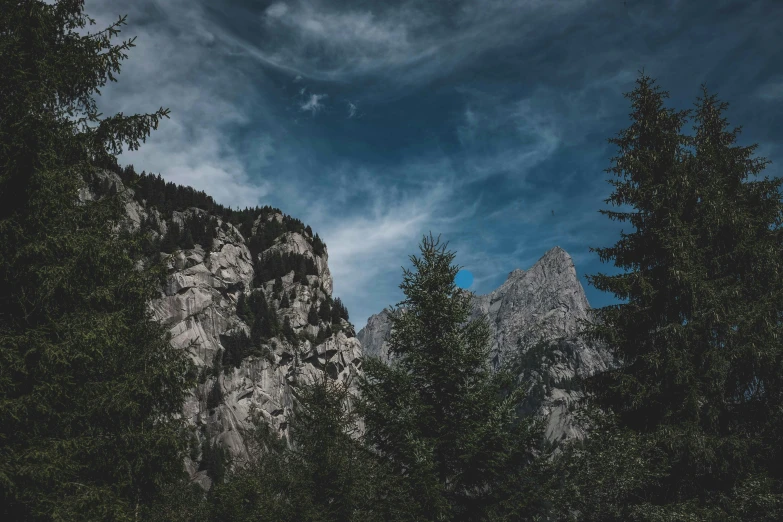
<point>687,427</point>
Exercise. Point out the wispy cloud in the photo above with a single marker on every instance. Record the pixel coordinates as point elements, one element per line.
<point>351,109</point>
<point>313,103</point>
<point>401,41</point>
<point>179,71</point>
<point>771,91</point>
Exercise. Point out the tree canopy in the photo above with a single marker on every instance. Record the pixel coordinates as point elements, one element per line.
<point>91,390</point>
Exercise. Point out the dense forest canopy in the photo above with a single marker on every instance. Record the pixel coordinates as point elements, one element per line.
<point>167,197</point>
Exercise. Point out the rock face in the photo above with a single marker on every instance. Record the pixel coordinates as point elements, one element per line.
<point>198,303</point>
<point>541,305</point>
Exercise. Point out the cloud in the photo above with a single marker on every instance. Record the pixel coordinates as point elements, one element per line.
<point>351,109</point>
<point>313,103</point>
<point>771,90</point>
<point>277,10</point>
<point>406,42</point>
<point>180,71</point>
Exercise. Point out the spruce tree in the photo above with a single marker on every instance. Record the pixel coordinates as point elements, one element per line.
<point>438,414</point>
<point>171,239</point>
<point>325,311</point>
<point>312,315</point>
<point>243,309</point>
<point>698,391</point>
<point>288,330</point>
<point>187,240</point>
<point>322,473</point>
<point>90,388</point>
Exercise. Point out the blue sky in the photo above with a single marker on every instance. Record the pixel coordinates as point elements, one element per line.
<point>482,120</point>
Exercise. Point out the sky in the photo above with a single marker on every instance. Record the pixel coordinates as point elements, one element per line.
<point>484,121</point>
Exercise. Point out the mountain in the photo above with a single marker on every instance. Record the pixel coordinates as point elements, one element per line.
<point>534,319</point>
<point>287,331</point>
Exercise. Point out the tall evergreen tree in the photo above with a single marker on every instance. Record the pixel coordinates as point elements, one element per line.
<point>90,388</point>
<point>699,387</point>
<point>440,416</point>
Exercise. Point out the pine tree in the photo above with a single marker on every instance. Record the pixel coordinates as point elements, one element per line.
<point>285,303</point>
<point>444,420</point>
<point>325,311</point>
<point>698,392</point>
<point>187,240</point>
<point>171,239</point>
<point>243,309</point>
<point>288,331</point>
<point>325,474</point>
<point>339,311</point>
<point>90,388</point>
<point>312,316</point>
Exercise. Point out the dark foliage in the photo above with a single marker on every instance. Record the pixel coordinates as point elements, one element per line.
<point>324,475</point>
<point>288,331</point>
<point>696,401</point>
<point>215,460</point>
<point>325,311</point>
<point>339,311</point>
<point>276,265</point>
<point>91,390</point>
<point>237,347</point>
<point>261,318</point>
<point>215,395</point>
<point>312,315</point>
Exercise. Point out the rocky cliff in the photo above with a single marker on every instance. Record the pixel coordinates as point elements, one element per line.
<point>226,305</point>
<point>534,320</point>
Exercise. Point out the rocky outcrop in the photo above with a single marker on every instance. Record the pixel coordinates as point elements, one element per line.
<point>198,303</point>
<point>534,319</point>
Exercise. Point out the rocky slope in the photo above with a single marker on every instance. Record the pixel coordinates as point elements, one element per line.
<point>198,303</point>
<point>534,319</point>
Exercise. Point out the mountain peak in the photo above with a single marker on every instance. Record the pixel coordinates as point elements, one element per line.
<point>556,253</point>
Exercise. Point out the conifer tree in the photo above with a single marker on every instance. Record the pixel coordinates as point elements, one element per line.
<point>324,474</point>
<point>698,394</point>
<point>187,240</point>
<point>441,417</point>
<point>90,388</point>
<point>312,315</point>
<point>288,330</point>
<point>325,311</point>
<point>243,309</point>
<point>171,239</point>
